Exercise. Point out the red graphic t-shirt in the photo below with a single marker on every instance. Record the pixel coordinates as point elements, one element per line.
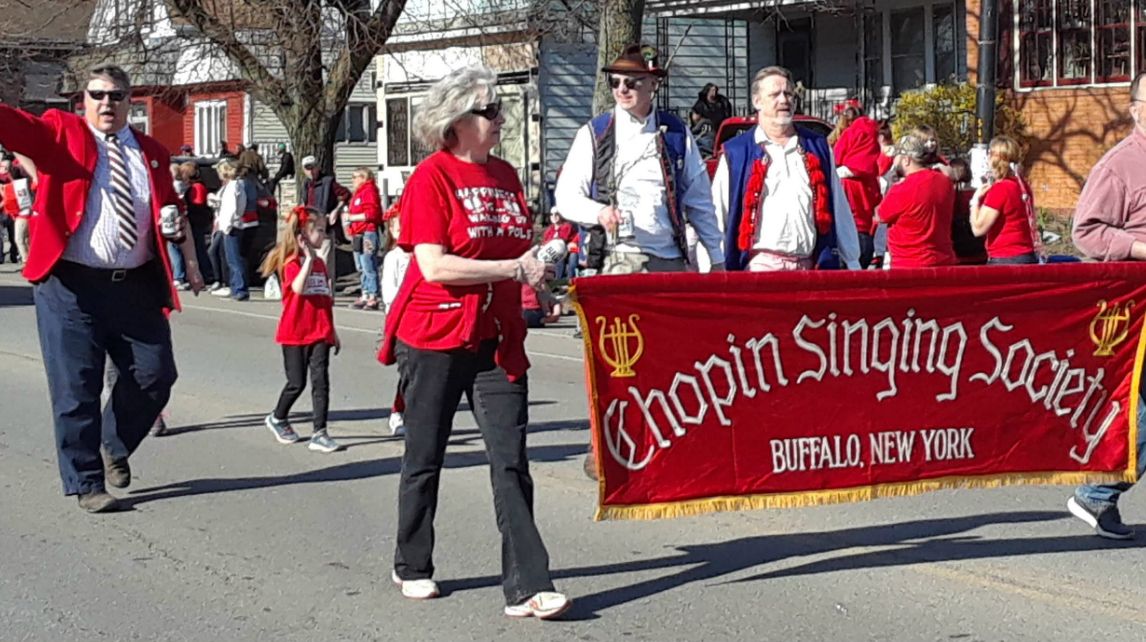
<point>1011,234</point>
<point>918,212</point>
<point>308,317</point>
<point>475,211</point>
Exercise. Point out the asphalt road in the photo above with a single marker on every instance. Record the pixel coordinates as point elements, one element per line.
<point>231,536</point>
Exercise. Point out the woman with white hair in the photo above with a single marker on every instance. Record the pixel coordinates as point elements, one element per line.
<point>456,327</point>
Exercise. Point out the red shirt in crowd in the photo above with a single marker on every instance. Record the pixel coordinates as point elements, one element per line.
<point>1010,235</point>
<point>564,231</point>
<point>858,150</point>
<point>365,201</point>
<point>918,211</point>
<point>475,211</point>
<point>307,318</point>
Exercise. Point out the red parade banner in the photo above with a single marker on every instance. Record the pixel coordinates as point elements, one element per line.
<point>743,391</point>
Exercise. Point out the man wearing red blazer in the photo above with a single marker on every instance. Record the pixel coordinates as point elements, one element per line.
<point>101,275</point>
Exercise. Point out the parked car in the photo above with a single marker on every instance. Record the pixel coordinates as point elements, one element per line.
<point>737,125</point>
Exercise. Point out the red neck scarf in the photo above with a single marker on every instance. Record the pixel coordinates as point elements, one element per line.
<point>755,191</point>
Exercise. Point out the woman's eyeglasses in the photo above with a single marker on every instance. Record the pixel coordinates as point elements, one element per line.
<point>489,112</point>
<point>115,96</point>
<point>632,84</point>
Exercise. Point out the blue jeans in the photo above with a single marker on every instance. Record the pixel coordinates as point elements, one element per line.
<point>567,269</point>
<point>367,263</point>
<point>178,271</point>
<point>1108,494</point>
<point>236,263</point>
<point>84,318</point>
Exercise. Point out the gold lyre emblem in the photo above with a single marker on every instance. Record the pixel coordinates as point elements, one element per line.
<point>1110,327</point>
<point>621,344</point>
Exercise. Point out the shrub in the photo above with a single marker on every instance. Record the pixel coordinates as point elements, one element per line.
<point>950,110</point>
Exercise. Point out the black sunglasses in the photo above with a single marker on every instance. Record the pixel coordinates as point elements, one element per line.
<point>631,84</point>
<point>115,96</point>
<point>489,112</point>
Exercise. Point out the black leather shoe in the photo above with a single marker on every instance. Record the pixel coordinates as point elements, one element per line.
<point>116,472</point>
<point>98,501</point>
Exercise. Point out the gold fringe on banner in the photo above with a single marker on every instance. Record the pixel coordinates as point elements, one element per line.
<point>694,507</point>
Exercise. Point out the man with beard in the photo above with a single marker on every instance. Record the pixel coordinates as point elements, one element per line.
<point>777,191</point>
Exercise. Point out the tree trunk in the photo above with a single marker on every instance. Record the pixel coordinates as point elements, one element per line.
<point>620,25</point>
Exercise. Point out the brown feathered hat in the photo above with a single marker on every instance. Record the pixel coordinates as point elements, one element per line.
<point>636,59</point>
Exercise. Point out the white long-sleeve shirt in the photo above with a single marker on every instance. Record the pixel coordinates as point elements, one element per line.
<point>232,204</point>
<point>790,224</point>
<point>640,189</point>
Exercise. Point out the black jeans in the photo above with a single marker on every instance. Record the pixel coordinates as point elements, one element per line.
<point>296,360</point>
<point>86,316</point>
<point>433,384</point>
<point>866,248</point>
<point>199,234</point>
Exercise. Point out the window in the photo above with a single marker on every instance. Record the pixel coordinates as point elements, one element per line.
<point>137,117</point>
<point>397,132</point>
<point>1113,39</point>
<point>210,126</point>
<point>908,50</point>
<point>1140,20</point>
<point>1074,24</point>
<point>402,148</point>
<point>873,54</point>
<point>358,125</point>
<point>1075,42</point>
<point>1036,34</point>
<point>946,42</point>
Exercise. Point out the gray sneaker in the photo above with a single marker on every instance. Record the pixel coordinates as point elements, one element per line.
<point>281,429</point>
<point>321,442</point>
<point>1105,520</point>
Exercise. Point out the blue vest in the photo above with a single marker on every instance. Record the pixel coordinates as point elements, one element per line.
<point>672,146</point>
<point>739,155</point>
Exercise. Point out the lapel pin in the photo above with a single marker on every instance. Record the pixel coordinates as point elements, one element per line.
<point>154,164</point>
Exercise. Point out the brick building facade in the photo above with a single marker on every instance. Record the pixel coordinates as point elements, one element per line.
<point>1067,66</point>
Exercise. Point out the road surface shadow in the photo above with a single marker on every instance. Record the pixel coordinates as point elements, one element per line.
<point>15,296</point>
<point>342,472</point>
<point>345,416</point>
<point>917,542</point>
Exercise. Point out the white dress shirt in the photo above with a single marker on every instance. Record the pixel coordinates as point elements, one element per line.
<point>95,242</point>
<point>640,189</point>
<point>789,227</point>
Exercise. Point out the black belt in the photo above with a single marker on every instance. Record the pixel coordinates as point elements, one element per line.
<point>110,275</point>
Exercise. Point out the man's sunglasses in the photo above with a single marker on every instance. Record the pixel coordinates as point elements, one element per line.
<point>489,112</point>
<point>115,96</point>
<point>632,84</point>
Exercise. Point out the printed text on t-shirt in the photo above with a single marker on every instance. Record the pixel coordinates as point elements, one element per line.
<point>493,212</point>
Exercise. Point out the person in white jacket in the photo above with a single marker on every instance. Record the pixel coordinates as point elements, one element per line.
<point>228,231</point>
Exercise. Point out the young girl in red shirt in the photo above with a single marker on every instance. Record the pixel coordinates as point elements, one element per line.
<point>1004,209</point>
<point>306,328</point>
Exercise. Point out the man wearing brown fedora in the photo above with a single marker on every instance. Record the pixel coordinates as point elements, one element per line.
<point>635,175</point>
<point>635,179</point>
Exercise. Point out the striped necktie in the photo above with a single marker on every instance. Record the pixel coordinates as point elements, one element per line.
<point>121,194</point>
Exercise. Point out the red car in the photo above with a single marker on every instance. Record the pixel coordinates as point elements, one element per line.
<point>739,124</point>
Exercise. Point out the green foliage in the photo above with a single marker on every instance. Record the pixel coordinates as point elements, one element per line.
<point>950,110</point>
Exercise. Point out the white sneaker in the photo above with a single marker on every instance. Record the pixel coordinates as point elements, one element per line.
<point>397,424</point>
<point>214,286</point>
<point>416,589</point>
<point>223,291</point>
<point>546,605</point>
